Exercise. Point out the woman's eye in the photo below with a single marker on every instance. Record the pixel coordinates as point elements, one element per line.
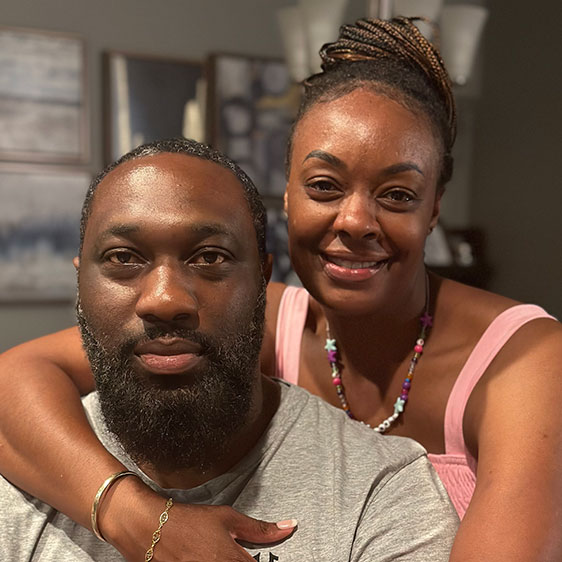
<point>123,258</point>
<point>321,185</point>
<point>209,258</point>
<point>400,196</point>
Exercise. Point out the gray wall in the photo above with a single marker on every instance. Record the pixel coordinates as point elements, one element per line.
<point>517,186</point>
<point>515,197</point>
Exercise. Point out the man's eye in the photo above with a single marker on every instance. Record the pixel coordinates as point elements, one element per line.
<point>121,258</point>
<point>209,258</point>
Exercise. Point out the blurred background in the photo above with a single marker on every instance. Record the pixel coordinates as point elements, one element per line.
<point>82,82</point>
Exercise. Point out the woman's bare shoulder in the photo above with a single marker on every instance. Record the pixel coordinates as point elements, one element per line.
<point>469,308</point>
<point>267,357</point>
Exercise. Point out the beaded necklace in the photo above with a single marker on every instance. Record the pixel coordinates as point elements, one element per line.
<point>426,321</point>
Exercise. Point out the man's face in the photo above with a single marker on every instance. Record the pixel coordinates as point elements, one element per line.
<point>171,300</point>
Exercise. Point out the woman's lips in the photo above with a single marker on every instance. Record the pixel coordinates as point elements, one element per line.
<point>351,270</point>
<point>169,364</point>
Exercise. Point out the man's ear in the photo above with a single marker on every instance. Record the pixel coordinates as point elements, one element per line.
<point>268,268</point>
<point>76,262</point>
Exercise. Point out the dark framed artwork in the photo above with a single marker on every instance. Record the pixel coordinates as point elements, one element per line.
<point>39,231</point>
<point>252,105</point>
<point>43,97</point>
<point>149,98</point>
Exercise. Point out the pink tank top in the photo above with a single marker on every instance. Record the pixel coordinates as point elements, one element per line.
<point>457,467</point>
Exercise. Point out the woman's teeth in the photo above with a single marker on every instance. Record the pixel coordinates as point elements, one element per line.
<point>355,264</point>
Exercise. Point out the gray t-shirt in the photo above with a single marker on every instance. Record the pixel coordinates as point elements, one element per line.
<point>358,496</point>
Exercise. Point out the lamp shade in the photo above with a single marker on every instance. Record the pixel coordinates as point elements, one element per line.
<point>322,20</point>
<point>428,9</point>
<point>295,42</point>
<point>461,29</point>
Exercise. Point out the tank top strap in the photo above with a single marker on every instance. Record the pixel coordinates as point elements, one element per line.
<point>493,339</point>
<point>291,317</point>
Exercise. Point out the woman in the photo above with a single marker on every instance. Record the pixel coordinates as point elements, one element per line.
<point>468,374</point>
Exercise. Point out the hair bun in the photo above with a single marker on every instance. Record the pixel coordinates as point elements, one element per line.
<point>399,39</point>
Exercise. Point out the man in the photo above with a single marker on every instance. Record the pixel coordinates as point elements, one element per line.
<point>172,273</point>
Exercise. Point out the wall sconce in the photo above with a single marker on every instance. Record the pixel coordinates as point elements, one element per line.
<point>304,29</point>
<point>461,29</point>
<point>456,29</point>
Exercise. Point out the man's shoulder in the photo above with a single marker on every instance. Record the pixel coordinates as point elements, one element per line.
<point>328,430</point>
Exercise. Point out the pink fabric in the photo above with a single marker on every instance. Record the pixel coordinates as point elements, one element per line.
<point>293,309</point>
<point>457,467</point>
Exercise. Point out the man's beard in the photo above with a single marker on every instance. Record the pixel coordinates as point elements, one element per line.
<point>168,425</point>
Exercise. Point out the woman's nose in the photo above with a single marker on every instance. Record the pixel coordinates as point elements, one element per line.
<point>357,218</point>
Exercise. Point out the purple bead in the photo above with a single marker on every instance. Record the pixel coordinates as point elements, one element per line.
<point>332,356</point>
<point>404,397</point>
<point>406,384</point>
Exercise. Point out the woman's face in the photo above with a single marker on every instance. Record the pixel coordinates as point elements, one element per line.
<point>361,199</point>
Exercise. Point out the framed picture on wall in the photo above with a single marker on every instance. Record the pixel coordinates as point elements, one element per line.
<point>149,98</point>
<point>39,231</point>
<point>252,105</point>
<point>43,97</point>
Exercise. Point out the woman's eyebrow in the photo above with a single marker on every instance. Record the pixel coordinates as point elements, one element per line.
<point>402,167</point>
<point>326,156</point>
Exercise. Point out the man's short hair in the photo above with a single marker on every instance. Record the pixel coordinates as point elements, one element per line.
<point>188,147</point>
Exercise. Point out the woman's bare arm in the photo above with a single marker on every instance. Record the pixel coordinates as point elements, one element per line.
<point>43,429</point>
<point>516,511</point>
<point>48,449</point>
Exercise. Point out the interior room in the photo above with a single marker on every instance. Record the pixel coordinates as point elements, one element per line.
<point>501,213</point>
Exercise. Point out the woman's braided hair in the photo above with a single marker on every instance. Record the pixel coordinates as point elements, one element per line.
<point>392,58</point>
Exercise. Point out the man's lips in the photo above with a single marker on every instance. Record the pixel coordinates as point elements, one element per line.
<point>169,356</point>
<point>352,268</point>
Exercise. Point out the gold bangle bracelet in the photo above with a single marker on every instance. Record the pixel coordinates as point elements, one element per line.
<point>100,495</point>
<point>156,535</point>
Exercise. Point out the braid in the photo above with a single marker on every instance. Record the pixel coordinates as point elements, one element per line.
<point>398,38</point>
<point>394,59</point>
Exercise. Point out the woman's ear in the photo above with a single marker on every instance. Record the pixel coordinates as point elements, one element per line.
<point>436,209</point>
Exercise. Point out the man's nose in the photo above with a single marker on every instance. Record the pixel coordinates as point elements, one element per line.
<point>356,217</point>
<point>167,296</point>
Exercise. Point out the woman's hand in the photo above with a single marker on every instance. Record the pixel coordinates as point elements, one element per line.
<point>194,533</point>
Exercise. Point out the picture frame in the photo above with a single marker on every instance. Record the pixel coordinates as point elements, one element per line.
<point>43,97</point>
<point>149,98</point>
<point>252,106</point>
<point>39,231</point>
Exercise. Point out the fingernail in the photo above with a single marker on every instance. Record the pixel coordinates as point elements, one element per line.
<point>287,524</point>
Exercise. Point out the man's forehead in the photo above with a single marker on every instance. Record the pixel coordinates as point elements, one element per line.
<point>199,172</point>
<point>170,189</point>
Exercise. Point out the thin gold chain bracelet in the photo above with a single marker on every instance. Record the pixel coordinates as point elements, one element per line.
<point>156,535</point>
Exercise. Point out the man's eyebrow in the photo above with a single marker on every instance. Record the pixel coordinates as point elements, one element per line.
<point>210,230</point>
<point>201,229</point>
<point>326,156</point>
<point>119,230</point>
